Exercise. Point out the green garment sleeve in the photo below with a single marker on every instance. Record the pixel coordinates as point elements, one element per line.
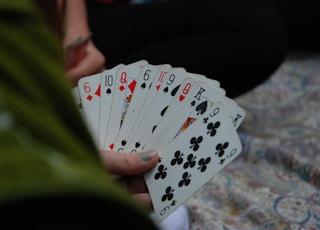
<point>49,166</point>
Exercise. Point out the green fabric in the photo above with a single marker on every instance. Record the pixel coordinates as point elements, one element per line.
<point>45,148</point>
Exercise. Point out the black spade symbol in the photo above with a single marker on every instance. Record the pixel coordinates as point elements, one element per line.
<point>163,111</point>
<point>174,91</point>
<point>165,89</point>
<point>143,85</point>
<point>137,145</point>
<point>154,127</point>
<point>108,91</point>
<point>193,103</point>
<point>202,107</point>
<point>123,142</point>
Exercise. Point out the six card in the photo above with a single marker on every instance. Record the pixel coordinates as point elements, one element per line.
<point>89,90</point>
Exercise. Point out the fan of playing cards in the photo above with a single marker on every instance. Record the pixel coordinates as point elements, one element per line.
<point>183,115</point>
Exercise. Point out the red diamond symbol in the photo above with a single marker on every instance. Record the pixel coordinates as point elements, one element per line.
<point>111,146</point>
<point>121,88</point>
<point>98,91</point>
<point>132,85</point>
<point>89,97</point>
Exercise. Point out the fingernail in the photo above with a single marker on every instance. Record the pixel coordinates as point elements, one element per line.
<point>148,155</point>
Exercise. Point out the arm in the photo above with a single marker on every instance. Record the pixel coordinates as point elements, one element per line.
<point>75,26</point>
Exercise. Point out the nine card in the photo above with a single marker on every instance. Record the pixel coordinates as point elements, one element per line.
<point>185,116</point>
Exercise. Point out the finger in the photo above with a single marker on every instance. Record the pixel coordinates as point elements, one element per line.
<point>134,184</point>
<point>129,164</point>
<point>144,199</point>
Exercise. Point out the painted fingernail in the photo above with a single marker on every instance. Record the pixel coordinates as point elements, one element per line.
<point>148,155</point>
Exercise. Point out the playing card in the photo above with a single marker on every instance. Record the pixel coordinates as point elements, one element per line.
<point>173,109</point>
<point>153,89</point>
<point>145,79</point>
<point>76,96</point>
<point>197,103</point>
<point>126,80</point>
<point>167,90</point>
<point>211,82</point>
<point>191,160</point>
<point>89,90</point>
<point>108,79</point>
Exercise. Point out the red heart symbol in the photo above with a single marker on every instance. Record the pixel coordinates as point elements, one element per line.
<point>181,98</point>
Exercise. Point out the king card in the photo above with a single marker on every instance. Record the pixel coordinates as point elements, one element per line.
<point>198,102</point>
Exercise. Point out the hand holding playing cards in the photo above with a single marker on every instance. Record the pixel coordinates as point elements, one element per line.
<point>185,116</point>
<point>130,167</point>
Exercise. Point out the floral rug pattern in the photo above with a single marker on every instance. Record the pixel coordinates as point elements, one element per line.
<point>275,182</point>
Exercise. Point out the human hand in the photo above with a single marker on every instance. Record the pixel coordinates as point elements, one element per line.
<point>131,166</point>
<point>92,62</point>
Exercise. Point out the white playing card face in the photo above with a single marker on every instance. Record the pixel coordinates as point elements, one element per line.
<point>126,80</point>
<point>211,82</point>
<point>177,102</point>
<point>108,80</point>
<point>155,86</point>
<point>145,79</point>
<point>76,96</point>
<point>191,160</point>
<point>168,89</point>
<point>197,103</point>
<point>89,90</point>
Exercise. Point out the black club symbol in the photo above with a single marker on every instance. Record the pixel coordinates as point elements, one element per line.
<point>168,194</point>
<point>220,148</point>
<point>190,161</point>
<point>203,164</point>
<point>185,179</point>
<point>173,203</point>
<point>195,143</point>
<point>212,128</point>
<point>177,158</point>
<point>161,172</point>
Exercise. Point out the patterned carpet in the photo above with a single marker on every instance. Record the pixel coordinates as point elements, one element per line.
<point>275,182</point>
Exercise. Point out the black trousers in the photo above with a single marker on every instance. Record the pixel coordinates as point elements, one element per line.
<point>238,43</point>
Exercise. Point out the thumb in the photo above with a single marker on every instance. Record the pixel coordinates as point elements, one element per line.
<point>129,164</point>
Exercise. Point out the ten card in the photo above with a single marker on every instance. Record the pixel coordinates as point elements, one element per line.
<point>107,82</point>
